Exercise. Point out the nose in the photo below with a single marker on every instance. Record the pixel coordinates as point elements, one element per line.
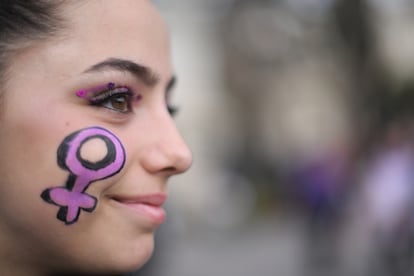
<point>167,153</point>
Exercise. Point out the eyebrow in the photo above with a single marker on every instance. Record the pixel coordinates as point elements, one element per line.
<point>141,72</point>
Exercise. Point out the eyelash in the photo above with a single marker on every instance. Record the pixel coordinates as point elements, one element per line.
<point>113,95</point>
<point>172,109</point>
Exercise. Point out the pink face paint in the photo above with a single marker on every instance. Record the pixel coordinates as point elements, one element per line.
<point>72,198</point>
<point>108,90</point>
<point>86,93</point>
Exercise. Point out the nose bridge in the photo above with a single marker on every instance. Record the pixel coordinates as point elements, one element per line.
<point>166,151</point>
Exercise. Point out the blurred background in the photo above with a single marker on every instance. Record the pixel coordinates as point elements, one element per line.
<point>299,114</point>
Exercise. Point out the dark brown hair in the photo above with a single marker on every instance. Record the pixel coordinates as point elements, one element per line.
<point>23,22</point>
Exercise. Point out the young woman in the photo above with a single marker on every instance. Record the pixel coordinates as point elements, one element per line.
<point>87,140</point>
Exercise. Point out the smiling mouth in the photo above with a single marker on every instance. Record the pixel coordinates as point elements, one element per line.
<point>148,206</point>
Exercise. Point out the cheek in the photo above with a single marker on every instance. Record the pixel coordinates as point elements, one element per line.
<point>28,165</point>
<point>28,142</point>
<point>93,150</point>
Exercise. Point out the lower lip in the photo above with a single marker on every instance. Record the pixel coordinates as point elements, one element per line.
<point>156,214</point>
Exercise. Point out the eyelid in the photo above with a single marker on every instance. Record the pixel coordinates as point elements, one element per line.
<point>98,90</point>
<point>102,96</point>
<point>108,93</point>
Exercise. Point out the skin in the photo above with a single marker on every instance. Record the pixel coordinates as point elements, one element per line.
<point>40,108</point>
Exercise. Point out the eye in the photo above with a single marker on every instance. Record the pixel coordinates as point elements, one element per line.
<point>173,110</point>
<point>120,103</point>
<point>118,99</point>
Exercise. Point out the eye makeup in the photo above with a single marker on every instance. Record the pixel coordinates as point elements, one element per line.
<point>111,96</point>
<point>105,94</point>
<point>99,92</point>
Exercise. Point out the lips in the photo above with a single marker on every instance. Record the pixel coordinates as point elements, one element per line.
<point>146,206</point>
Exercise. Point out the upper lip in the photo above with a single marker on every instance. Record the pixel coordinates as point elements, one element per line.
<point>157,199</point>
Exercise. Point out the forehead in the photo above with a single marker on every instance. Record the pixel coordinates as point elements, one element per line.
<point>119,26</point>
<point>125,17</point>
<point>98,30</point>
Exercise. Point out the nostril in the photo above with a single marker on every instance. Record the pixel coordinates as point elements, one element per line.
<point>170,169</point>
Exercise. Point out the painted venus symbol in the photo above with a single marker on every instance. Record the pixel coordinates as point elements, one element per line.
<point>72,198</point>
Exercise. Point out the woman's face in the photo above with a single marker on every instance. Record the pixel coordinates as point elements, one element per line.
<point>108,75</point>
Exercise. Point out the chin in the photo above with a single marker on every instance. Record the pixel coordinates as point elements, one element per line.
<point>132,258</point>
<point>117,261</point>
<point>136,259</point>
<point>129,260</point>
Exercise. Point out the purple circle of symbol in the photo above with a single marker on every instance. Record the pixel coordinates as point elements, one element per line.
<point>75,166</point>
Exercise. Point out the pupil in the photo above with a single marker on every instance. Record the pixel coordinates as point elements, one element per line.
<point>119,102</point>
